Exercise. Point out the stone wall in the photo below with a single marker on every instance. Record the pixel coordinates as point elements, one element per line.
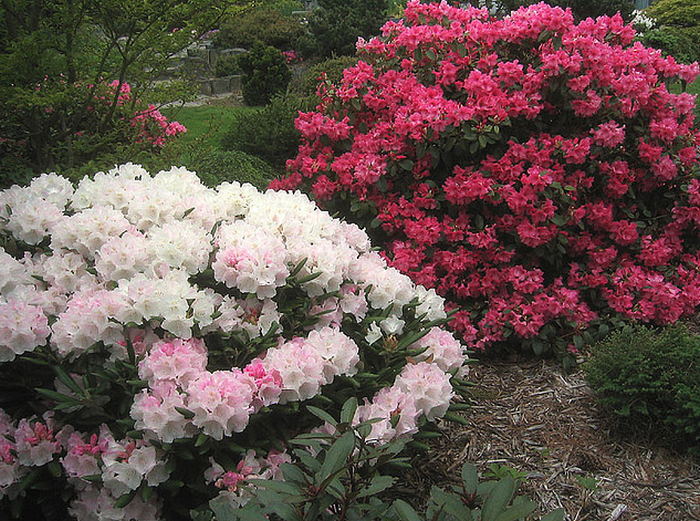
<point>199,61</point>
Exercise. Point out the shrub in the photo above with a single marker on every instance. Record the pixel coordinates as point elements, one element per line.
<point>581,9</point>
<point>219,166</point>
<point>268,26</point>
<point>672,42</point>
<point>347,480</point>
<point>268,132</point>
<point>330,70</point>
<point>681,20</point>
<point>337,24</point>
<point>265,73</point>
<point>158,334</point>
<point>651,377</point>
<point>64,137</point>
<point>227,65</point>
<point>537,173</point>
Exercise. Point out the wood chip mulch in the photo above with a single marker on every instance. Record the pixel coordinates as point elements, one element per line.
<point>533,417</point>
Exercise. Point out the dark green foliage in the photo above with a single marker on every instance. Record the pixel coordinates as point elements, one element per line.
<point>581,9</point>
<point>268,132</point>
<point>265,74</point>
<point>227,65</point>
<point>219,166</point>
<point>56,56</point>
<point>307,83</point>
<point>345,480</point>
<point>682,19</point>
<point>673,42</point>
<point>647,375</point>
<point>266,25</point>
<point>337,24</point>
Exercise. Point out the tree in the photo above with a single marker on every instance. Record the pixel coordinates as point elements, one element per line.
<point>337,24</point>
<point>581,9</point>
<point>681,18</point>
<point>56,56</point>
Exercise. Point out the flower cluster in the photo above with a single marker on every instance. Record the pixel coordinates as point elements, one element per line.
<point>168,322</point>
<point>539,174</point>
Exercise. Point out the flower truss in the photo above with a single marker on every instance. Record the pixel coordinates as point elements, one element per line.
<point>163,335</point>
<point>541,175</point>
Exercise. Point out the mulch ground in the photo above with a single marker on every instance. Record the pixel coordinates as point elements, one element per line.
<point>533,417</point>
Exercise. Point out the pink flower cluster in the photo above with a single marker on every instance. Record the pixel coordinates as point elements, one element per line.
<point>122,466</point>
<point>422,389</point>
<point>536,173</point>
<point>154,128</point>
<point>223,401</point>
<point>235,485</point>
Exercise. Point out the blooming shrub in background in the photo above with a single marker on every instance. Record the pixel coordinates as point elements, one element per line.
<point>536,173</point>
<point>157,338</point>
<point>67,125</point>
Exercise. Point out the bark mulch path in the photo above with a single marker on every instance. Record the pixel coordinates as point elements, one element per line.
<point>533,417</point>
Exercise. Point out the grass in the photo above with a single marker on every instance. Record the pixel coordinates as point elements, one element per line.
<point>200,148</point>
<point>205,123</point>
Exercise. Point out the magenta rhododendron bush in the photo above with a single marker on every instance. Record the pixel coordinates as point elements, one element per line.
<point>539,174</point>
<point>157,338</point>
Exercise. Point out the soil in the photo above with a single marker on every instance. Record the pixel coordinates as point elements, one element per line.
<point>533,417</point>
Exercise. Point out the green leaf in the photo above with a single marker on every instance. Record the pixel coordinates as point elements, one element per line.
<point>456,418</point>
<point>67,380</point>
<point>336,457</point>
<point>201,439</point>
<point>498,499</point>
<point>469,478</point>
<point>57,397</point>
<point>451,504</point>
<point>405,511</point>
<point>518,511</point>
<point>278,486</point>
<point>125,499</point>
<point>293,474</point>
<point>347,414</point>
<point>322,415</point>
<point>185,412</point>
<point>537,347</point>
<point>406,164</point>
<point>286,512</point>
<point>377,485</point>
<point>555,515</point>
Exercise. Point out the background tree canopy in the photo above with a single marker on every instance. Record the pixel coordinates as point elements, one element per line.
<point>56,55</point>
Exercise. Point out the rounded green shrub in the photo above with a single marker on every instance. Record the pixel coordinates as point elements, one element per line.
<point>232,165</point>
<point>672,41</point>
<point>227,65</point>
<point>265,73</point>
<point>651,376</point>
<point>269,26</point>
<point>269,131</point>
<point>331,69</point>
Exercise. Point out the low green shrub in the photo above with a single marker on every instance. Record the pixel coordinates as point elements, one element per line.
<point>672,41</point>
<point>232,165</point>
<point>227,65</point>
<point>265,73</point>
<point>652,376</point>
<point>268,26</point>
<point>307,83</point>
<point>344,481</point>
<point>268,132</point>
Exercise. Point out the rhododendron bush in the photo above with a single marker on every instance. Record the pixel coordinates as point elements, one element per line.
<point>539,174</point>
<point>157,338</point>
